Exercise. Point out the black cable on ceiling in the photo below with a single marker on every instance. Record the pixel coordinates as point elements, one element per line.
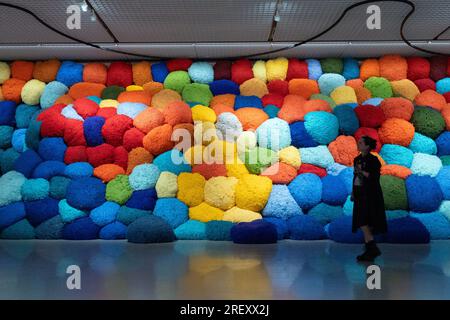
<point>411,4</point>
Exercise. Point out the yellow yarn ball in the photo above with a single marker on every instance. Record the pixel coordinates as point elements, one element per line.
<point>134,87</point>
<point>344,94</point>
<point>405,88</point>
<point>32,91</point>
<point>167,185</point>
<point>108,103</point>
<point>290,156</point>
<point>276,69</point>
<point>220,192</point>
<point>204,213</point>
<point>5,72</point>
<point>202,113</point>
<point>237,215</point>
<point>259,70</point>
<point>191,188</point>
<point>252,192</point>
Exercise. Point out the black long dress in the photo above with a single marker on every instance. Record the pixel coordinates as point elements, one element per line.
<point>368,206</point>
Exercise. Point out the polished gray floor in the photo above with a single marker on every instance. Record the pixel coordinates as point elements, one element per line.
<point>219,270</point>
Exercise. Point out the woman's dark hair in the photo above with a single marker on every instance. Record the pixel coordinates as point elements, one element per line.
<point>372,143</point>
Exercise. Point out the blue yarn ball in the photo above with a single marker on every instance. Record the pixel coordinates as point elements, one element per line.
<point>218,230</point>
<point>11,214</point>
<point>319,156</point>
<point>159,71</point>
<point>144,176</point>
<point>335,169</point>
<point>304,227</point>
<point>394,154</point>
<point>281,204</point>
<point>347,119</point>
<point>18,140</point>
<point>96,99</point>
<point>165,162</point>
<point>340,230</point>
<point>325,213</point>
<point>92,128</point>
<point>281,226</point>
<point>423,144</point>
<point>128,215</point>
<point>50,229</point>
<point>6,133</point>
<point>7,113</point>
<point>201,72</point>
<point>255,232</point>
<point>58,187</point>
<point>346,176</point>
<point>443,85</point>
<point>11,184</point>
<point>69,213</point>
<point>34,132</point>
<point>78,170</point>
<point>274,134</point>
<point>330,81</point>
<point>39,211</point>
<point>172,210</point>
<point>19,230</point>
<point>53,90</point>
<point>314,69</point>
<point>426,164</point>
<point>69,112</point>
<point>143,199</point>
<point>131,109</point>
<point>424,193</point>
<point>306,189</point>
<point>443,144</point>
<point>52,149</point>
<point>105,214</point>
<point>348,207</point>
<point>322,126</point>
<point>271,111</point>
<point>224,86</point>
<point>113,231</point>
<point>443,179</point>
<point>35,189</point>
<point>407,230</point>
<point>81,229</point>
<point>49,169</point>
<point>351,69</point>
<point>300,137</point>
<point>7,160</point>
<point>24,113</point>
<point>70,73</point>
<point>27,162</point>
<point>373,101</point>
<point>191,230</point>
<point>436,223</point>
<point>247,102</point>
<point>86,193</point>
<point>150,229</point>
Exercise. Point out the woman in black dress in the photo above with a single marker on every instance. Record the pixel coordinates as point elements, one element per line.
<point>368,207</point>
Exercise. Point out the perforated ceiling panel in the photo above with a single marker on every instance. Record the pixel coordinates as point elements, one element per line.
<point>300,20</point>
<point>20,27</point>
<point>187,20</point>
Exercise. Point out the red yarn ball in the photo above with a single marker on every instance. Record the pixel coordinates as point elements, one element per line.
<point>133,139</point>
<point>297,69</point>
<point>425,84</point>
<point>85,107</point>
<point>280,87</point>
<point>274,99</point>
<point>121,157</point>
<point>119,74</point>
<point>53,123</point>
<point>107,112</point>
<point>101,154</point>
<point>309,168</point>
<point>178,64</point>
<point>75,154</point>
<point>418,68</point>
<point>370,116</point>
<point>222,70</point>
<point>241,71</point>
<point>373,133</point>
<point>74,133</point>
<point>114,129</point>
<point>438,67</point>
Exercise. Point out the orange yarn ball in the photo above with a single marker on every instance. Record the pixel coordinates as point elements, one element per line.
<point>396,131</point>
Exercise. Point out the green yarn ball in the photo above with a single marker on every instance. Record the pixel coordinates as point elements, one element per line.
<point>112,92</point>
<point>197,92</point>
<point>379,87</point>
<point>177,80</point>
<point>119,190</point>
<point>428,121</point>
<point>332,65</point>
<point>258,159</point>
<point>445,160</point>
<point>394,193</point>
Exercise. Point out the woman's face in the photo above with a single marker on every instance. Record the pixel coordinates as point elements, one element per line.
<point>362,146</point>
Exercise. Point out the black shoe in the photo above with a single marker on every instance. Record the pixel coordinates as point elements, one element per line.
<point>371,252</point>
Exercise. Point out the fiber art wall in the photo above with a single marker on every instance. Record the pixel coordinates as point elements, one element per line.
<point>248,151</point>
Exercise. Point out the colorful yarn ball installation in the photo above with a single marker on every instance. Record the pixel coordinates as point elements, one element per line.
<point>244,151</point>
